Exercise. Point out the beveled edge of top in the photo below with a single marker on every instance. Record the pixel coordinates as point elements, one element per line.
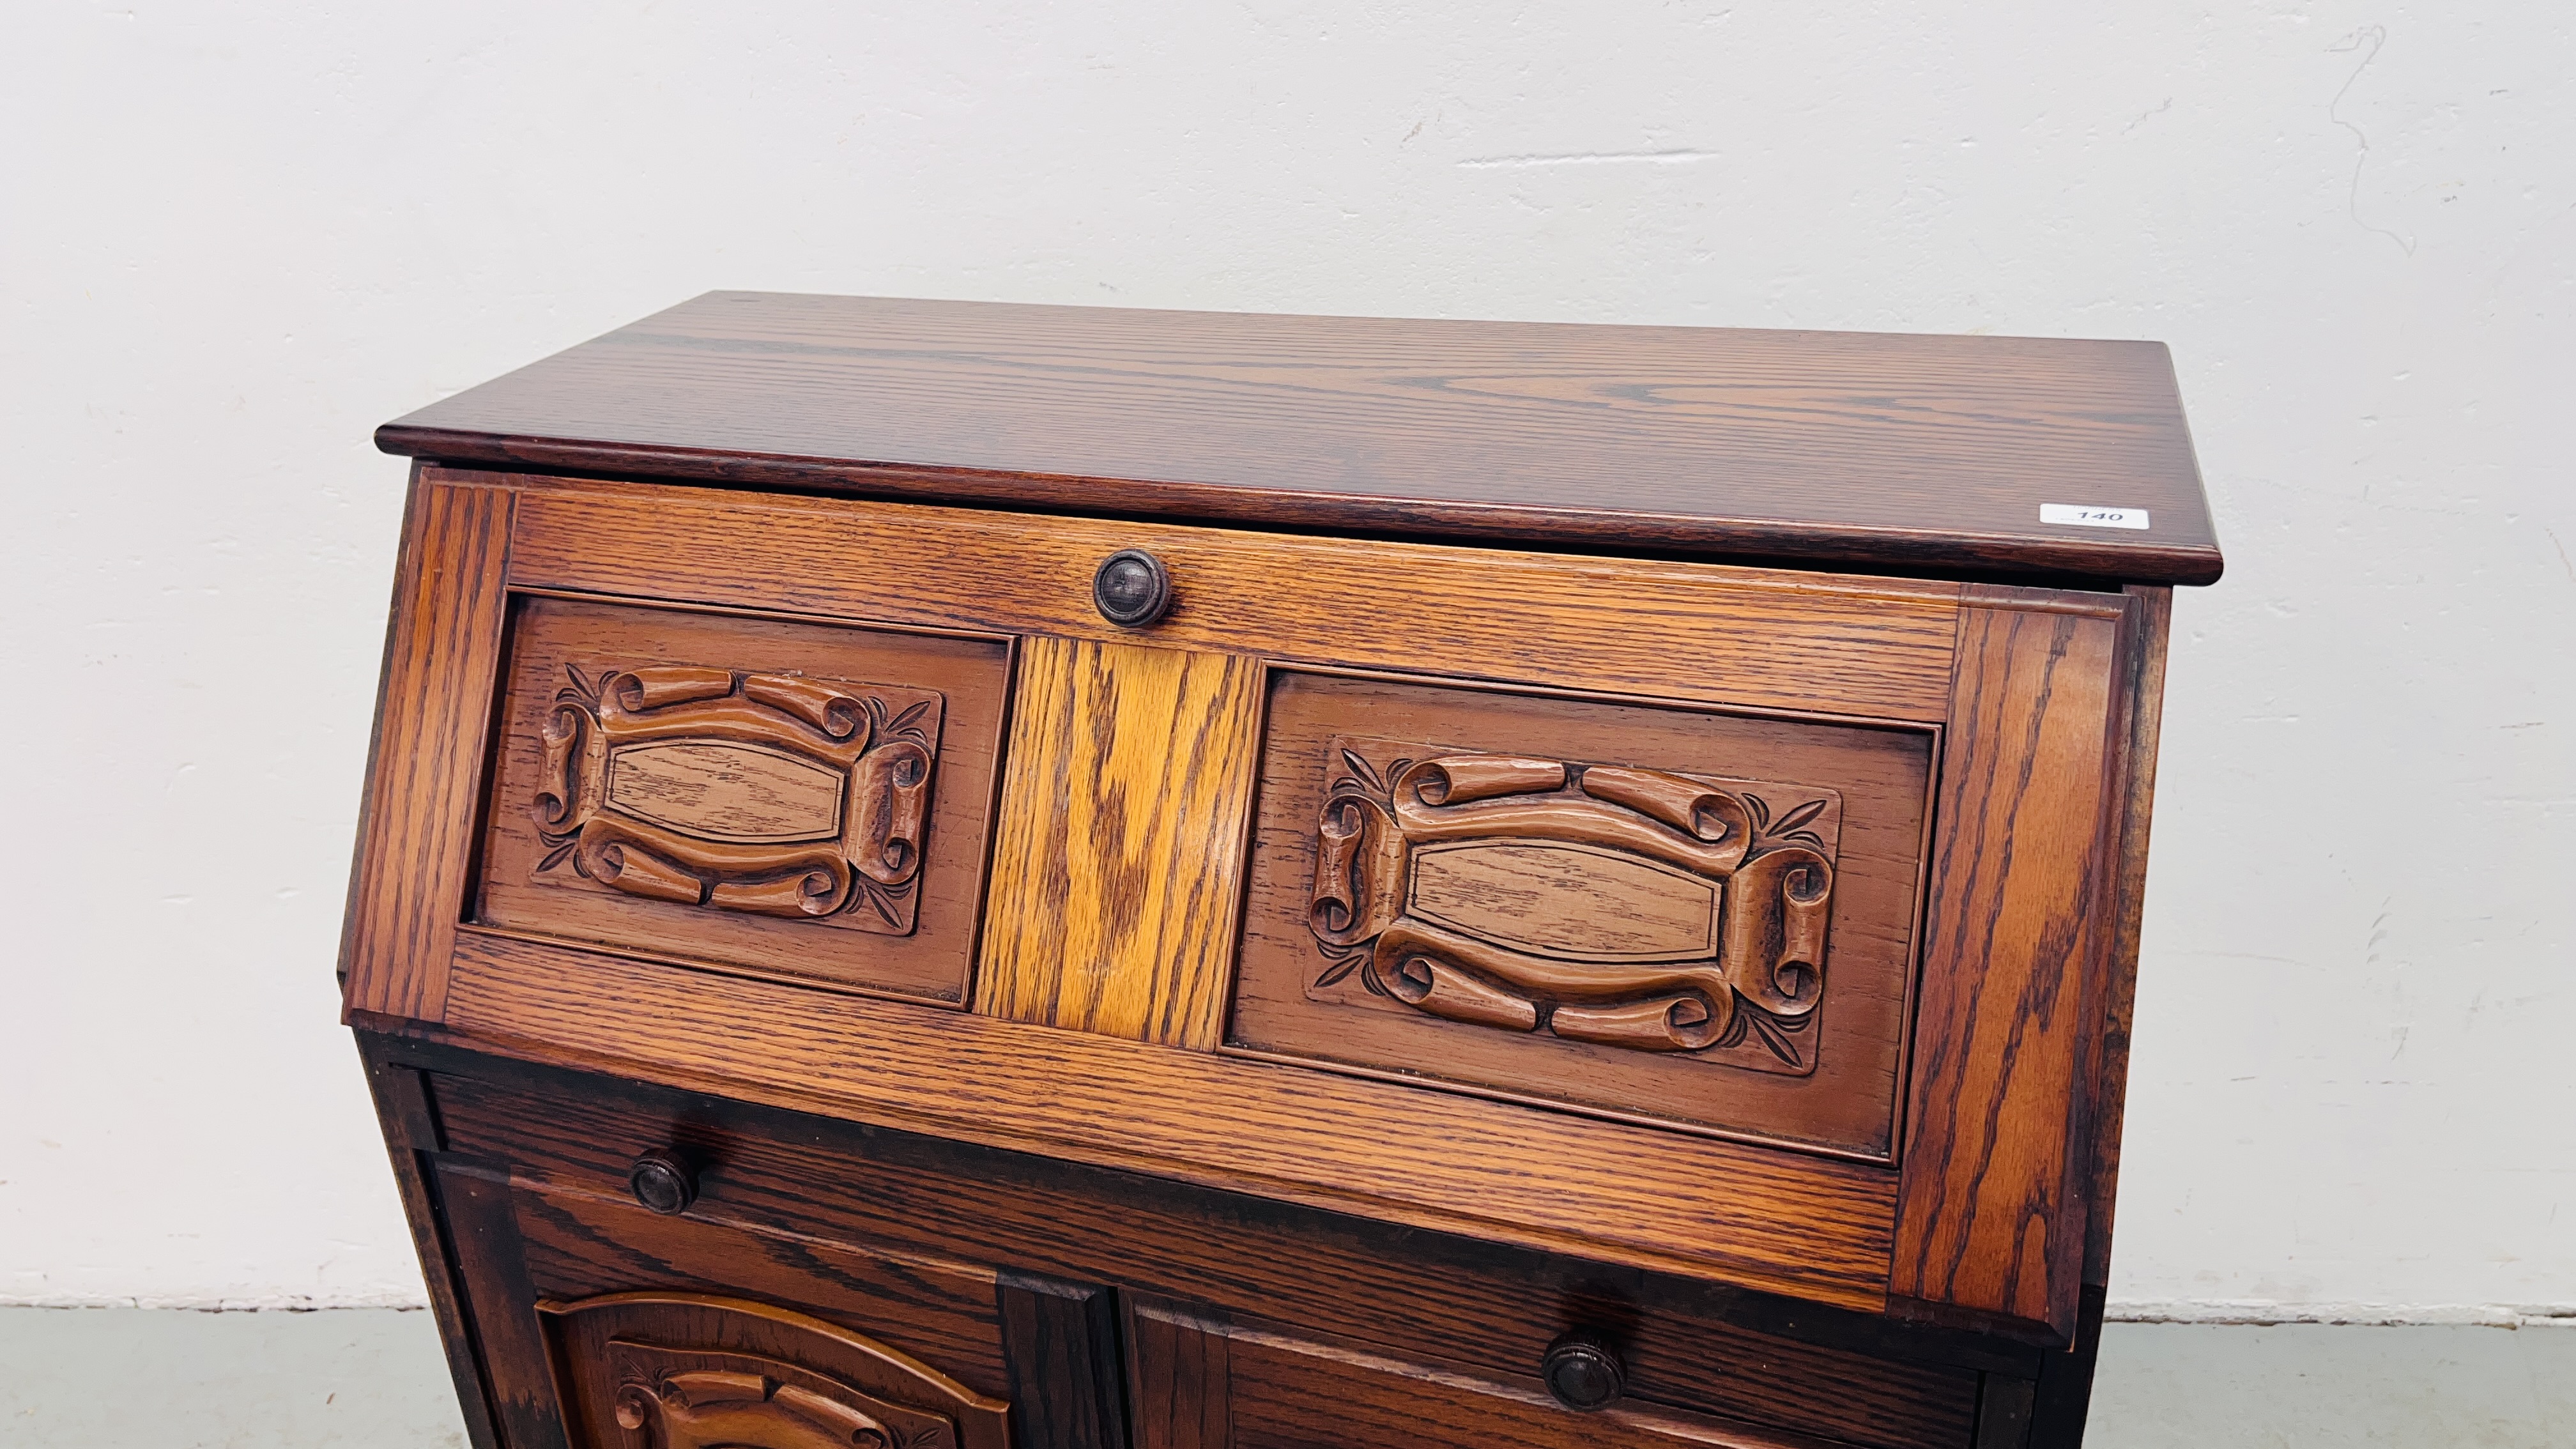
<point>439,434</point>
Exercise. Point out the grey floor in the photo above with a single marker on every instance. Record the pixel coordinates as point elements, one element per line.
<point>78,1378</point>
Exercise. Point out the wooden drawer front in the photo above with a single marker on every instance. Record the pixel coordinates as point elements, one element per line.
<point>1654,911</point>
<point>1197,1381</point>
<point>781,796</point>
<point>788,1183</point>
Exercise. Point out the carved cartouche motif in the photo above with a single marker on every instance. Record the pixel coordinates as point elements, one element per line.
<point>1598,903</point>
<point>773,794</point>
<point>739,1409</point>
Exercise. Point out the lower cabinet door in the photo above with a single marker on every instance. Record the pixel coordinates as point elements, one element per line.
<point>1199,1381</point>
<point>601,1325</point>
<point>649,1370</point>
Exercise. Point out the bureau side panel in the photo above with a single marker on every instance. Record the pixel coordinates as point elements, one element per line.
<point>2143,709</point>
<point>416,835</point>
<point>1990,1224</point>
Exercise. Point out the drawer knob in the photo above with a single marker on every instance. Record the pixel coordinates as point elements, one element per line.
<point>1583,1371</point>
<point>1132,589</point>
<point>662,1183</point>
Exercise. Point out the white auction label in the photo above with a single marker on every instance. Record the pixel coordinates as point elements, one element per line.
<point>2092,517</point>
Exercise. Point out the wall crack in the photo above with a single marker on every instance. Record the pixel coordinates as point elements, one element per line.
<point>2366,40</point>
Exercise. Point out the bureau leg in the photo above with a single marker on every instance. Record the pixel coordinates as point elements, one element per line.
<point>411,1132</point>
<point>2004,1407</point>
<point>474,1203</point>
<point>1067,1389</point>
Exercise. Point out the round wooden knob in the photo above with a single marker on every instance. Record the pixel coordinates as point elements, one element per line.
<point>1131,590</point>
<point>663,1183</point>
<point>1583,1371</point>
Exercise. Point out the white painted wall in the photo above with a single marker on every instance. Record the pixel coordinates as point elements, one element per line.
<point>234,238</point>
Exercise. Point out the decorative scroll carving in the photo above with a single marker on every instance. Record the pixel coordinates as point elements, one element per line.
<point>685,1371</point>
<point>775,794</point>
<point>1599,903</point>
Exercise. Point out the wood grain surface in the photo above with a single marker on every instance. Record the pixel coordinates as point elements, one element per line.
<point>718,1371</point>
<point>1874,782</point>
<point>1118,860</point>
<point>1065,1387</point>
<point>1207,1383</point>
<point>1332,1216</point>
<point>2142,701</point>
<point>530,877</point>
<point>1180,1390</point>
<point>1991,1209</point>
<point>518,1373</point>
<point>425,767</point>
<point>581,1245</point>
<point>1710,633</point>
<point>1911,452</point>
<point>798,1179</point>
<point>1798,1224</point>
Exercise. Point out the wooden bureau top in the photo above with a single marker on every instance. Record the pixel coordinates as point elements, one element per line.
<point>1863,450</point>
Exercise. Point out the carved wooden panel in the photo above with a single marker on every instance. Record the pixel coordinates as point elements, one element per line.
<point>776,794</point>
<point>1632,908</point>
<point>690,1371</point>
<point>780,795</point>
<point>1651,910</point>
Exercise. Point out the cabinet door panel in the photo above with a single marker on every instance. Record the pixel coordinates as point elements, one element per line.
<point>578,1247</point>
<point>692,1371</point>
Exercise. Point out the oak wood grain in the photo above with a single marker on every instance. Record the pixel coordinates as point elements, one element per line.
<point>1874,785</point>
<point>1877,648</point>
<point>1271,1387</point>
<point>1332,1234</point>
<point>1992,1203</point>
<point>582,1245</point>
<point>1118,857</point>
<point>1877,450</point>
<point>1063,1346</point>
<point>518,1375</point>
<point>416,827</point>
<point>715,1371</point>
<point>570,1137</point>
<point>1807,1226</point>
<point>1180,1387</point>
<point>530,875</point>
<point>2142,694</point>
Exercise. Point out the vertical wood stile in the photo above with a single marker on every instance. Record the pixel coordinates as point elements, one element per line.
<point>1117,868</point>
<point>2143,683</point>
<point>416,833</point>
<point>1990,1199</point>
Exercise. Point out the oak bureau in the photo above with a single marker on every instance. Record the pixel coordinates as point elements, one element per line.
<point>944,874</point>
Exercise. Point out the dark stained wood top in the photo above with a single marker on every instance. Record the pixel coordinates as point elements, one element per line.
<point>1862,450</point>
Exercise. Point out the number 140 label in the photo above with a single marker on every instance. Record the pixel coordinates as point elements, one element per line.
<point>2089,517</point>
